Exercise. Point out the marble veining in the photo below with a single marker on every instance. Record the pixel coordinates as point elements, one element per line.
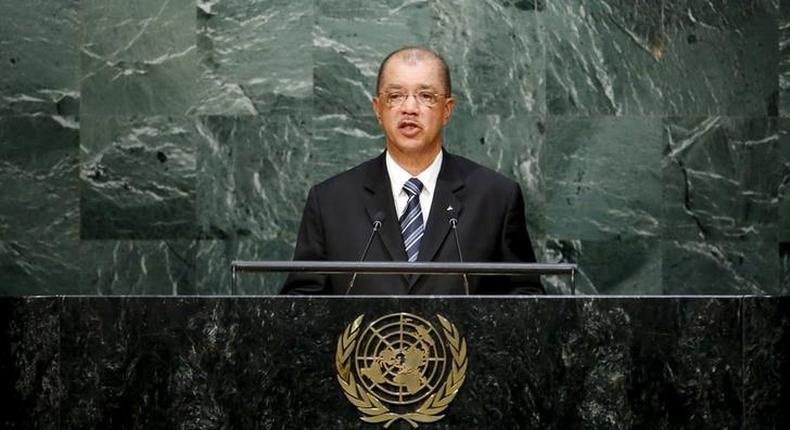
<point>592,191</point>
<point>138,178</point>
<point>39,58</point>
<point>722,177</point>
<point>137,57</point>
<point>255,57</point>
<point>668,57</point>
<point>647,136</point>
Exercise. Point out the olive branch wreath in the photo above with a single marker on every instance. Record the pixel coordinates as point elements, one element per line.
<point>373,409</point>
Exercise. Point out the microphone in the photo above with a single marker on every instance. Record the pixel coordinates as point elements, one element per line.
<point>378,217</point>
<point>453,219</point>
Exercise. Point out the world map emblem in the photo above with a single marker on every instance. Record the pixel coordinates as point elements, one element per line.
<point>400,367</point>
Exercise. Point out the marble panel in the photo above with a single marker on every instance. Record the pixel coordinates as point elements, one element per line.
<point>621,267</point>
<point>496,53</point>
<point>39,178</point>
<point>733,267</point>
<point>766,351</point>
<point>39,57</point>
<point>110,267</point>
<point>39,267</point>
<point>349,47</point>
<point>136,382</point>
<point>511,146</point>
<point>39,205</point>
<point>598,363</point>
<point>254,173</point>
<point>674,57</point>
<point>784,58</point>
<point>30,384</point>
<point>784,185</point>
<point>138,177</point>
<point>602,177</point>
<point>721,178</point>
<point>341,142</point>
<point>687,363</point>
<point>255,56</point>
<point>198,364</point>
<point>138,58</point>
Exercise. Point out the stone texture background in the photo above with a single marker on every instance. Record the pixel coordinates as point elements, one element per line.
<point>144,145</point>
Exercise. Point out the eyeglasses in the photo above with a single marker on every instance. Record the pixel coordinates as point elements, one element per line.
<point>426,98</point>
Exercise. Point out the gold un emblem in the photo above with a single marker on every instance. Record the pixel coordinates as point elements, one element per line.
<point>401,368</point>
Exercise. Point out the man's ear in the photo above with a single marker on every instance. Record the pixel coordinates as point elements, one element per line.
<point>375,104</point>
<point>449,105</point>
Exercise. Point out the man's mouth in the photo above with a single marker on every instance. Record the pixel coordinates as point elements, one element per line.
<point>409,128</point>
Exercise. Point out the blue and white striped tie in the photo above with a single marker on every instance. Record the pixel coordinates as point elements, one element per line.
<point>411,224</point>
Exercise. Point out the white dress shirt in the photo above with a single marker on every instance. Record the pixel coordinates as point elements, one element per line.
<point>428,177</point>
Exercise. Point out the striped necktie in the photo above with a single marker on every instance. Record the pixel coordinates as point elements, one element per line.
<point>411,224</point>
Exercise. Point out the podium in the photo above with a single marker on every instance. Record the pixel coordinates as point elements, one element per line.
<point>528,362</point>
<point>269,362</point>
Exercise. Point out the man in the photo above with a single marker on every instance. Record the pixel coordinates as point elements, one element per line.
<point>414,189</point>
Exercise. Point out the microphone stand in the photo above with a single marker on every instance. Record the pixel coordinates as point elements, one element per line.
<point>376,227</point>
<point>453,224</point>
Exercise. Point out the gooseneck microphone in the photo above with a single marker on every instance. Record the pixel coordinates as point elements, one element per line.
<point>378,217</point>
<point>453,219</point>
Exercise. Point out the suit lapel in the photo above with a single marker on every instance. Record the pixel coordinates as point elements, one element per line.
<point>448,184</point>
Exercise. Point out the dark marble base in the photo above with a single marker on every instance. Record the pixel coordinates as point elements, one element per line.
<point>268,363</point>
<point>30,382</point>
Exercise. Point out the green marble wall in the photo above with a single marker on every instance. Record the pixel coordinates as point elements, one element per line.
<point>146,144</point>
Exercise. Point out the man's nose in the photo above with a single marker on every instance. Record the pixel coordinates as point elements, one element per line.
<point>410,104</point>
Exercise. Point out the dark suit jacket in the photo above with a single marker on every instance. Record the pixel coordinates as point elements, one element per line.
<point>338,218</point>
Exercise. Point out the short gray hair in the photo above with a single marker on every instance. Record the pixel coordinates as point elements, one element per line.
<point>417,53</point>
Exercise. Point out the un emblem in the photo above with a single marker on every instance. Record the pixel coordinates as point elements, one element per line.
<point>401,367</point>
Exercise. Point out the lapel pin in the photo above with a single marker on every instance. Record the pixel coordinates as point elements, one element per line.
<point>449,208</point>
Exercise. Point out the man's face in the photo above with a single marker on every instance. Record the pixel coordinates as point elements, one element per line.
<point>412,128</point>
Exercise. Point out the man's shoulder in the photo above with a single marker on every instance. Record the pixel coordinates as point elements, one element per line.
<point>475,173</point>
<point>352,177</point>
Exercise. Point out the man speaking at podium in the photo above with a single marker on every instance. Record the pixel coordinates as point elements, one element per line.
<point>410,198</point>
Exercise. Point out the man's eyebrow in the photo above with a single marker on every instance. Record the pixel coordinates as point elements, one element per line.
<point>400,87</point>
<point>427,87</point>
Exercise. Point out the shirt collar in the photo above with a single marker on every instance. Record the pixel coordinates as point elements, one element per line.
<point>399,176</point>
